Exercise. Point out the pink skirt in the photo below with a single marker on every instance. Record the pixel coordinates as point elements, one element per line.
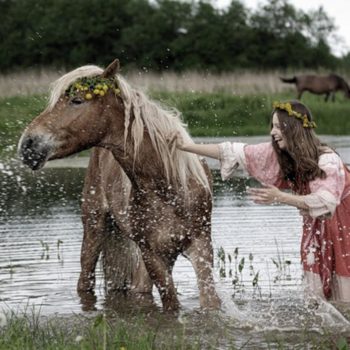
<point>325,251</point>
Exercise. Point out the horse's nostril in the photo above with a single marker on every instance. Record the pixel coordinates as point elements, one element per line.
<point>27,143</point>
<point>33,152</point>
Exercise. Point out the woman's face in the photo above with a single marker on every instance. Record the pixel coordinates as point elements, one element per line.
<point>276,132</point>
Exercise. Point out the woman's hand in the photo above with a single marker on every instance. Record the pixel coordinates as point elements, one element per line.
<point>267,195</point>
<point>175,140</point>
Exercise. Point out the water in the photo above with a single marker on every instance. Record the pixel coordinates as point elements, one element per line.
<point>41,233</point>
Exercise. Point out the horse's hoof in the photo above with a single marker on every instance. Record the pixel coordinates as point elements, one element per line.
<point>85,286</point>
<point>213,303</point>
<point>87,300</point>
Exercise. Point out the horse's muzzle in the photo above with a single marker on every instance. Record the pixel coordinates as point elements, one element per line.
<point>33,152</point>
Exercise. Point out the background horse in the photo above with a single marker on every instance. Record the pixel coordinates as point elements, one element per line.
<point>319,85</point>
<point>136,189</point>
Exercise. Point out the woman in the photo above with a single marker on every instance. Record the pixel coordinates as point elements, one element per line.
<point>319,182</point>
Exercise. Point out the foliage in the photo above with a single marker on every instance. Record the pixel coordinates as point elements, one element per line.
<point>163,34</point>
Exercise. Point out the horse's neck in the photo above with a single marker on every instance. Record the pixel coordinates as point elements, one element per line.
<point>145,169</point>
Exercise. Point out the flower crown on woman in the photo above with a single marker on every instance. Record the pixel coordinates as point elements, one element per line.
<point>286,106</point>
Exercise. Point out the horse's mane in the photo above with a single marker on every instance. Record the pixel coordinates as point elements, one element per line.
<point>159,121</point>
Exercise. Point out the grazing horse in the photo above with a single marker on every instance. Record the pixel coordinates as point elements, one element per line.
<point>319,85</point>
<point>144,203</point>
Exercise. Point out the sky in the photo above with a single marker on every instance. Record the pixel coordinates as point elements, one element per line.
<point>338,10</point>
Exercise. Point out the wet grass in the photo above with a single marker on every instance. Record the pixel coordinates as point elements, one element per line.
<point>107,330</point>
<point>32,331</point>
<point>207,114</point>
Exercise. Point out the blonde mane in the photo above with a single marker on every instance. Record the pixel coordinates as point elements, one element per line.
<point>160,123</point>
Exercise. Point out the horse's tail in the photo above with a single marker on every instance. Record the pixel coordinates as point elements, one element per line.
<point>289,80</point>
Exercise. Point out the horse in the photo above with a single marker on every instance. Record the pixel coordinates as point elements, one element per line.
<point>144,203</point>
<point>319,85</point>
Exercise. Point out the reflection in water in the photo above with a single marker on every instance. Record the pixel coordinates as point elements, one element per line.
<point>257,256</point>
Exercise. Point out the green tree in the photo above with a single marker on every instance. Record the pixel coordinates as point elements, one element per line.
<point>162,34</point>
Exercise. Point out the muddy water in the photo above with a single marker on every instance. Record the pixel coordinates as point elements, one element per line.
<point>256,254</point>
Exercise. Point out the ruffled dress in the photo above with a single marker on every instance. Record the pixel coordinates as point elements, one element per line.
<point>325,243</point>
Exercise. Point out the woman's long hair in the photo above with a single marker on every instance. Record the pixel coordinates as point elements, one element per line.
<point>299,160</point>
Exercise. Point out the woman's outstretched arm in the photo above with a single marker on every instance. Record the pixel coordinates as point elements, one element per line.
<point>207,150</point>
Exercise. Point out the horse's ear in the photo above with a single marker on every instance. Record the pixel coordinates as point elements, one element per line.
<point>112,69</point>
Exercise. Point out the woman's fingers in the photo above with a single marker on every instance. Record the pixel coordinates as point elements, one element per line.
<point>262,195</point>
<point>172,138</point>
<point>175,140</point>
<point>256,191</point>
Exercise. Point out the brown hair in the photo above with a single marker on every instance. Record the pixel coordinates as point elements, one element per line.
<point>299,161</point>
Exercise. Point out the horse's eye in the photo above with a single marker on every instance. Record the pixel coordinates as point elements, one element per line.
<point>76,101</point>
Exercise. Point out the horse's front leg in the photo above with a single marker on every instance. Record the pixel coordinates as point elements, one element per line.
<point>94,223</point>
<point>326,96</point>
<point>200,253</point>
<point>159,270</point>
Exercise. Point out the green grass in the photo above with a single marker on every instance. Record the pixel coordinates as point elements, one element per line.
<point>15,114</point>
<point>32,331</point>
<point>217,114</point>
<point>222,114</point>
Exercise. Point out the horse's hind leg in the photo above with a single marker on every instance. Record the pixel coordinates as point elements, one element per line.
<point>300,93</point>
<point>200,254</point>
<point>124,269</point>
<point>327,96</point>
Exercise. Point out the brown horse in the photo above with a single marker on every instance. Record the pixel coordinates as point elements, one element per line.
<point>319,85</point>
<point>137,190</point>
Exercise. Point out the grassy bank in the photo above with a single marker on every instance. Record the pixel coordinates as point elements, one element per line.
<point>207,114</point>
<point>149,332</point>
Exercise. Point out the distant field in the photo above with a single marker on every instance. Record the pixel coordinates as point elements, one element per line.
<point>242,82</point>
<point>207,114</point>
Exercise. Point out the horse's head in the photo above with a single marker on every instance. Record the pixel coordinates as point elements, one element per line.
<point>347,93</point>
<point>77,117</point>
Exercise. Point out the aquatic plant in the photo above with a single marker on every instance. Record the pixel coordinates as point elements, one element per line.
<point>282,264</point>
<point>59,242</point>
<point>237,276</point>
<point>45,252</point>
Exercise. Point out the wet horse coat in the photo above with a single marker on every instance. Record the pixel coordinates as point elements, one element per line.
<point>319,85</point>
<point>143,203</point>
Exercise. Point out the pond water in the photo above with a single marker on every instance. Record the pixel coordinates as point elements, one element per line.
<point>257,268</point>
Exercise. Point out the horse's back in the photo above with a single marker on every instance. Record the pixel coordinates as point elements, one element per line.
<point>316,83</point>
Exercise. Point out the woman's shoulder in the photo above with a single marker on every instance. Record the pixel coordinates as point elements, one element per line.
<point>264,147</point>
<point>329,157</point>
